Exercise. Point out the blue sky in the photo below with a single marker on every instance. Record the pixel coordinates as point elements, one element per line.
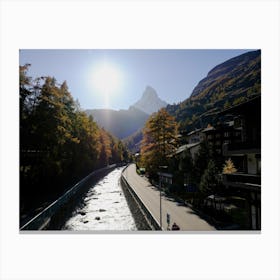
<point>172,73</point>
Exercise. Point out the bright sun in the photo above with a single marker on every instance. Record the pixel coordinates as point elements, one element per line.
<point>107,78</point>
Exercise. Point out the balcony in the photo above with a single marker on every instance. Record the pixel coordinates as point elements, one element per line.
<point>241,148</point>
<point>242,180</point>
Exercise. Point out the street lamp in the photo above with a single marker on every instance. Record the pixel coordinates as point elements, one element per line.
<point>160,177</point>
<point>160,215</point>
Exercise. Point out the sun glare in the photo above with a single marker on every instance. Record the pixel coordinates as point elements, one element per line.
<point>107,78</point>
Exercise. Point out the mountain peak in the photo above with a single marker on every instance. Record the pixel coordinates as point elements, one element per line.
<point>149,93</point>
<point>149,102</point>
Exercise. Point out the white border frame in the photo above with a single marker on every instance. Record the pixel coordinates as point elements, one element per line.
<point>139,24</point>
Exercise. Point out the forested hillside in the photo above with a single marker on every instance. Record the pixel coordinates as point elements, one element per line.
<point>226,85</point>
<point>59,144</point>
<point>133,141</point>
<point>121,123</point>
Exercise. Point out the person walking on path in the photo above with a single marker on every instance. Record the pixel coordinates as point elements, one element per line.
<point>175,227</point>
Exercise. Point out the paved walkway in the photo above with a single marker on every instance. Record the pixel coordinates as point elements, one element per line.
<point>184,216</point>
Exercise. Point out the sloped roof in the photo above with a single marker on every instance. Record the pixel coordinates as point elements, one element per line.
<point>186,147</point>
<point>194,131</point>
<point>208,129</point>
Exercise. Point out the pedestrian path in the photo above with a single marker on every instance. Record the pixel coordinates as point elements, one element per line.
<point>171,210</point>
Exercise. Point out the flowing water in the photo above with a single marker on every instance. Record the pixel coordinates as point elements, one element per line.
<point>104,207</point>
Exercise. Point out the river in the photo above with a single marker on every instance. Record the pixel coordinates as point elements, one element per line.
<point>104,207</point>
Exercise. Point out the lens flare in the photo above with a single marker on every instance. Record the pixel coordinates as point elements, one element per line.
<point>107,78</point>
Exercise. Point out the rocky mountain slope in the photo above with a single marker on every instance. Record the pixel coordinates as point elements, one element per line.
<point>233,77</point>
<point>229,83</point>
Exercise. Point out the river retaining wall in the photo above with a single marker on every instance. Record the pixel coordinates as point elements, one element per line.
<point>142,216</point>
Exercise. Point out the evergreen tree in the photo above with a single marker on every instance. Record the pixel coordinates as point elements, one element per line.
<point>204,155</point>
<point>210,180</point>
<point>185,162</point>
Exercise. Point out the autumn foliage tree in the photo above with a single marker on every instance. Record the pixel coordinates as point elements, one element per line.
<point>229,167</point>
<point>106,152</point>
<point>59,144</point>
<point>159,140</point>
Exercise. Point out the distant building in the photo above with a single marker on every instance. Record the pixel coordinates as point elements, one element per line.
<point>192,148</point>
<point>224,132</point>
<point>195,136</point>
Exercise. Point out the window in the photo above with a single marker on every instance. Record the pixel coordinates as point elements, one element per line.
<point>237,133</point>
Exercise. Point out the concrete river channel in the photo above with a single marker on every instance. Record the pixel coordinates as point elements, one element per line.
<point>103,207</point>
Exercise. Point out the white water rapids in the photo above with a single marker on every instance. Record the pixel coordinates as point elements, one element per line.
<point>104,207</point>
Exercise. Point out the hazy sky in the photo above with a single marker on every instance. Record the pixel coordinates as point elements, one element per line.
<point>117,78</point>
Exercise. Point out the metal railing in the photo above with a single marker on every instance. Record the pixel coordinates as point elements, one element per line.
<point>242,147</point>
<point>242,178</point>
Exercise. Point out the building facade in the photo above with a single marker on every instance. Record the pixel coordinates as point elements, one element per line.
<point>246,155</point>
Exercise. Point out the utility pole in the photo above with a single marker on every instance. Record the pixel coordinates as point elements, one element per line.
<point>160,186</point>
<point>160,215</point>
